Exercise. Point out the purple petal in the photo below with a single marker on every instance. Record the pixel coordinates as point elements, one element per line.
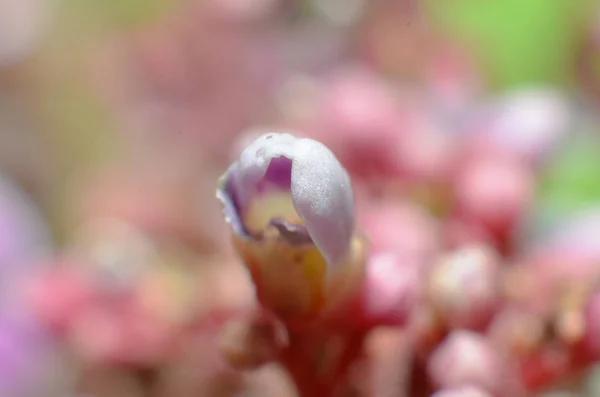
<point>24,238</point>
<point>23,349</point>
<point>23,232</point>
<point>255,161</point>
<point>227,193</point>
<point>279,173</point>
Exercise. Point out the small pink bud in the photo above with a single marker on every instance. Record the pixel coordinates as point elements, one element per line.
<point>459,232</point>
<point>401,227</point>
<point>360,108</point>
<point>59,296</point>
<point>105,334</point>
<point>529,123</point>
<point>467,359</point>
<point>467,391</point>
<point>390,291</point>
<point>546,366</point>
<point>427,152</point>
<point>493,190</point>
<point>463,286</point>
<point>361,118</point>
<point>453,84</point>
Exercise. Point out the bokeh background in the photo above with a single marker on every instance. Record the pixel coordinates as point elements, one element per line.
<point>118,116</point>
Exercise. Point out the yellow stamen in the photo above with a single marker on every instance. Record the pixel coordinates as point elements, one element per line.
<point>268,206</point>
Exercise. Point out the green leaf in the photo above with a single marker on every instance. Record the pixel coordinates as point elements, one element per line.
<point>573,180</point>
<point>519,41</point>
<point>117,13</point>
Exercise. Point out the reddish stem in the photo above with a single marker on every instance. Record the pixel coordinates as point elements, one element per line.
<point>318,362</point>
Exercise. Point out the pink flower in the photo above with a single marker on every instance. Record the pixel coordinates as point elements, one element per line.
<point>467,391</point>
<point>463,286</point>
<point>529,123</point>
<point>494,191</point>
<point>400,227</point>
<point>467,359</point>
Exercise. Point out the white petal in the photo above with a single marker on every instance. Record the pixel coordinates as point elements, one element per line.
<point>322,196</point>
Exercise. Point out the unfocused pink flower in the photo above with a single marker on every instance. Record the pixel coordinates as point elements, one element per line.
<point>463,286</point>
<point>531,287</point>
<point>390,291</point>
<point>453,84</point>
<point>427,153</point>
<point>124,305</point>
<point>400,227</point>
<point>360,107</point>
<point>180,207</point>
<point>58,295</point>
<point>467,391</point>
<point>244,10</point>
<point>566,257</point>
<point>468,359</point>
<point>378,133</point>
<point>530,123</point>
<point>546,366</point>
<point>120,333</point>
<point>458,232</point>
<point>388,363</point>
<point>495,191</point>
<point>360,118</point>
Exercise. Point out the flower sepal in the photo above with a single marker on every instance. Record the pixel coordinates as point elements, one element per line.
<point>293,281</point>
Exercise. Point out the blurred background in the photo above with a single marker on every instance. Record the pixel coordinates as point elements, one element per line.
<point>118,116</point>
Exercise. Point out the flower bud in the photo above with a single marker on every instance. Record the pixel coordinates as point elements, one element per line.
<point>403,228</point>
<point>290,205</point>
<point>463,287</point>
<point>494,190</point>
<point>390,291</point>
<point>467,359</point>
